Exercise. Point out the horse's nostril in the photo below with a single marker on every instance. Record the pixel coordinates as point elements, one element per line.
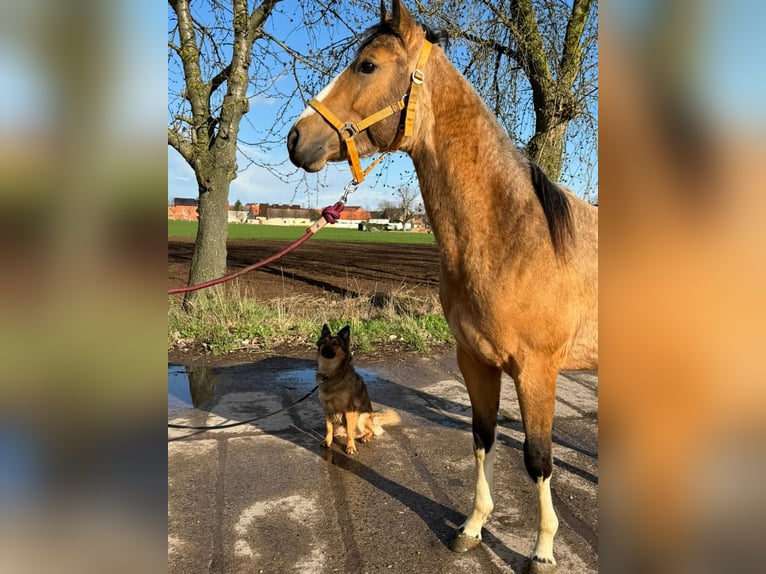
<point>292,138</point>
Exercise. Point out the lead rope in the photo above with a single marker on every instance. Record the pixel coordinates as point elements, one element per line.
<point>330,214</point>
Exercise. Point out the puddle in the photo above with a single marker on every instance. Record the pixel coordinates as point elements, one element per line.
<point>297,378</point>
<point>190,387</point>
<point>303,377</point>
<point>179,395</point>
<point>204,387</point>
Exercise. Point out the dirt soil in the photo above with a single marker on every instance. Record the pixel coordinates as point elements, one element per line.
<point>317,268</point>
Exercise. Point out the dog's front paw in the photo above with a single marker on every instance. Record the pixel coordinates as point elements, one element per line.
<point>326,443</point>
<point>351,449</point>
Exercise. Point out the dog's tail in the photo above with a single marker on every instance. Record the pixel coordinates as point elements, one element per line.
<point>382,418</point>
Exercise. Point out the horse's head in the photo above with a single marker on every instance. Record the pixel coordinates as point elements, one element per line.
<point>377,80</point>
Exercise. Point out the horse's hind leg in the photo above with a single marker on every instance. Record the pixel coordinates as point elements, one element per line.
<point>536,390</point>
<point>483,384</point>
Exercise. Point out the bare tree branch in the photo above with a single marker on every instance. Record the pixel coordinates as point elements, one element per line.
<point>297,56</point>
<point>190,59</point>
<point>181,145</point>
<point>219,79</point>
<point>573,49</point>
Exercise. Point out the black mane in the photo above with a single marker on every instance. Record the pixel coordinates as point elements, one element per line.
<point>387,28</point>
<point>440,37</point>
<point>556,208</point>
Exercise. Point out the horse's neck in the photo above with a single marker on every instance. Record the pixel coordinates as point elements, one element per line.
<point>472,179</point>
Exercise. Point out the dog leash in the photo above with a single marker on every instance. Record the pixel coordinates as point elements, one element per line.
<point>239,423</point>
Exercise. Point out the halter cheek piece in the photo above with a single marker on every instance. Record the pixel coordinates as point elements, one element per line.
<point>407,104</point>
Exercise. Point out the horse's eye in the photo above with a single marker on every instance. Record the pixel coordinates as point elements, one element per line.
<point>367,67</point>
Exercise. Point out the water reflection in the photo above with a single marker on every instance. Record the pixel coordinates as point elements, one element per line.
<point>202,387</point>
<point>190,387</point>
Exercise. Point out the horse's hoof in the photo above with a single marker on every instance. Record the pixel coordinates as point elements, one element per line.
<point>464,543</point>
<point>538,566</point>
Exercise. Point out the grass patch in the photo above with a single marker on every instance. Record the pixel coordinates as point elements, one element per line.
<point>285,233</point>
<point>221,323</point>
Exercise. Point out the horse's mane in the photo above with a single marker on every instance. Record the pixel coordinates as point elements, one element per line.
<point>556,208</point>
<point>439,37</point>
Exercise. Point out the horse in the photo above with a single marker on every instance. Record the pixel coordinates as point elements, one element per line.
<point>518,253</point>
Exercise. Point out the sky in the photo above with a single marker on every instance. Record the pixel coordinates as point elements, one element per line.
<point>255,184</point>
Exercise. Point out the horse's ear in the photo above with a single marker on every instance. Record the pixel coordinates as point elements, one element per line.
<point>400,17</point>
<point>383,11</point>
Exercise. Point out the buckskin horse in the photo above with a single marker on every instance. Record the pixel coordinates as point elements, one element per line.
<point>519,254</point>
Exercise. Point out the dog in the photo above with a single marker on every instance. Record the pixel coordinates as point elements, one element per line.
<point>343,393</point>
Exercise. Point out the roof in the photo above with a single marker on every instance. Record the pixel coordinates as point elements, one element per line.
<point>179,201</point>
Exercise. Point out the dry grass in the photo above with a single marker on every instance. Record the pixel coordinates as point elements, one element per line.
<point>222,323</point>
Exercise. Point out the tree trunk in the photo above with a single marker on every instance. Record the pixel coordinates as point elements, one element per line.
<point>546,148</point>
<point>214,177</point>
<point>210,146</point>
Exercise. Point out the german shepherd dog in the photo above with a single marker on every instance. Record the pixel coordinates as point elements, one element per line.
<point>343,393</point>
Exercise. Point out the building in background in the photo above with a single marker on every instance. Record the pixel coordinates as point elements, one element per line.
<point>183,209</point>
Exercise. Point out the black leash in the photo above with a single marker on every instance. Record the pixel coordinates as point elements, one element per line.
<point>248,421</point>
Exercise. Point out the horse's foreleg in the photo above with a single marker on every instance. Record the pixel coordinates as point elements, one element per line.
<point>483,384</point>
<point>547,526</point>
<point>536,390</point>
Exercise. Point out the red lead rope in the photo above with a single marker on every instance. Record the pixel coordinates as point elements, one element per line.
<point>330,214</point>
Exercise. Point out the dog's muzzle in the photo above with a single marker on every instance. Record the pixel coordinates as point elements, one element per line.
<point>327,352</point>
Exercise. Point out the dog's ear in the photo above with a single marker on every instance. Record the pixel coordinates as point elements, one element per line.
<point>326,330</point>
<point>345,334</point>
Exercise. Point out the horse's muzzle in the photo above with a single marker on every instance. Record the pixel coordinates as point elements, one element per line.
<point>304,153</point>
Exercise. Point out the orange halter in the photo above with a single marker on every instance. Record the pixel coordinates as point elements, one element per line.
<point>408,103</point>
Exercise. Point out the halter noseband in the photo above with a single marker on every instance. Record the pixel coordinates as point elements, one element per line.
<point>408,104</point>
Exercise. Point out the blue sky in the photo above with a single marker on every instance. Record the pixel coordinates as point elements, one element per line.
<point>255,184</point>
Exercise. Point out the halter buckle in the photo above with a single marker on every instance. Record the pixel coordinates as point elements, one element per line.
<point>418,76</point>
<point>350,128</point>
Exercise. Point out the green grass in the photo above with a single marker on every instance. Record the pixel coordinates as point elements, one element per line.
<point>222,323</point>
<point>284,233</point>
